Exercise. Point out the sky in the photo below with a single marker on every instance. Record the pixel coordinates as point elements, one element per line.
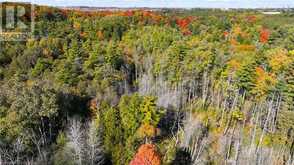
<point>168,3</point>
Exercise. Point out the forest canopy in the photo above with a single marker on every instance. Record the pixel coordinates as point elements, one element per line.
<point>144,87</point>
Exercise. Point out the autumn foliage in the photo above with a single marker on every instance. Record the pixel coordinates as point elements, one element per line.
<point>147,130</point>
<point>245,47</point>
<point>264,81</point>
<point>279,59</point>
<point>183,24</point>
<point>146,155</point>
<point>128,13</point>
<point>251,18</point>
<point>264,35</point>
<point>234,65</point>
<point>226,34</point>
<point>151,15</point>
<point>148,87</point>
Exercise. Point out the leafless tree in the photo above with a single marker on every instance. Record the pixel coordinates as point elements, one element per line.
<point>95,152</point>
<point>84,142</point>
<point>76,140</point>
<point>12,156</point>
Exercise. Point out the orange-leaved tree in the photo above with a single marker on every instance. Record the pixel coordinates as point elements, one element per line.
<point>183,24</point>
<point>146,155</point>
<point>264,35</point>
<point>264,82</point>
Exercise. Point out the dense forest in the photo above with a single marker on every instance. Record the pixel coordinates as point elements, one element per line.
<point>140,87</point>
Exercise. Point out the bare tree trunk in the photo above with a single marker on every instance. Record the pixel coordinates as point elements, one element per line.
<point>228,154</point>
<point>239,144</point>
<point>265,126</point>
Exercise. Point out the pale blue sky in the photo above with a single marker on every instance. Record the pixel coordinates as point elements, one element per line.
<point>169,3</point>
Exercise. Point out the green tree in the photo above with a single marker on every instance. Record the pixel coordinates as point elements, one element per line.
<point>27,109</point>
<point>289,87</point>
<point>113,135</point>
<point>113,27</point>
<point>68,72</point>
<point>40,67</point>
